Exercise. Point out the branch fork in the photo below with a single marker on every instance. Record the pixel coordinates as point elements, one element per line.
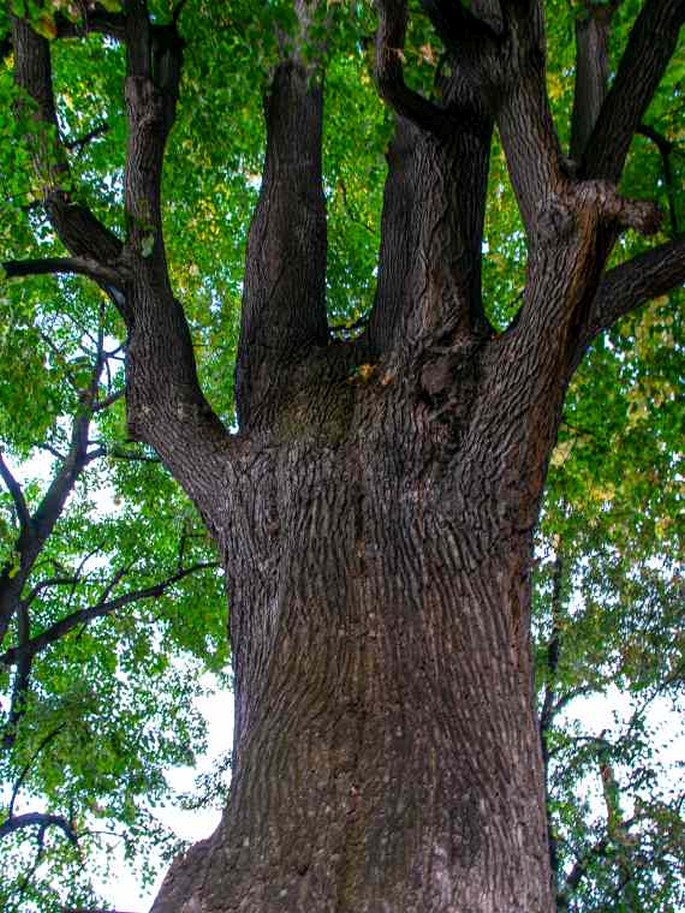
<point>597,202</point>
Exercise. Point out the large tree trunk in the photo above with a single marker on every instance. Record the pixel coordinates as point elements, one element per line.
<point>387,751</point>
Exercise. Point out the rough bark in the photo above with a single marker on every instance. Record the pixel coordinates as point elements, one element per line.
<point>592,73</point>
<point>375,512</point>
<point>386,744</point>
<point>284,308</point>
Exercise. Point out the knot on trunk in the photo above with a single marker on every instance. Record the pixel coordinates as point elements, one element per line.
<point>447,380</point>
<point>556,218</point>
<point>594,203</point>
<point>603,198</point>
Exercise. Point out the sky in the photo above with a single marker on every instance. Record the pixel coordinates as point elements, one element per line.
<point>121,888</point>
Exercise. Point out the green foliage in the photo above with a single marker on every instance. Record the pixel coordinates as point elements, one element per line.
<point>111,704</point>
<point>610,599</point>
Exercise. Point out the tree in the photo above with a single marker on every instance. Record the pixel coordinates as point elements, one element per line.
<point>86,656</point>
<point>375,511</point>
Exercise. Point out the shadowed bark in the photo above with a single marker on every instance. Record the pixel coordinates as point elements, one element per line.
<point>592,73</point>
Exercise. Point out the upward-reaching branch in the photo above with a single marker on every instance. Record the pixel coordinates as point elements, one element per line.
<point>650,47</point>
<point>165,405</point>
<point>429,276</point>
<point>284,307</point>
<point>40,524</point>
<point>392,26</point>
<point>530,141</point>
<point>592,72</point>
<point>16,494</point>
<point>79,230</point>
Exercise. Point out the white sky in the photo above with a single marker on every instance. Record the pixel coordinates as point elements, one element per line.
<point>122,889</point>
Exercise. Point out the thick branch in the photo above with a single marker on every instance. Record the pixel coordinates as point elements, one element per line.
<point>99,610</point>
<point>16,493</point>
<point>547,711</point>
<point>649,275</point>
<point>429,277</point>
<point>524,118</point>
<point>32,539</point>
<point>592,72</point>
<point>428,293</point>
<point>79,230</point>
<point>81,266</point>
<point>154,62</point>
<point>165,405</point>
<point>96,19</point>
<point>651,44</point>
<point>284,308</point>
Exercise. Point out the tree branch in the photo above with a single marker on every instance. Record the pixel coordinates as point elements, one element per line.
<point>88,137</point>
<point>423,113</point>
<point>46,584</point>
<point>108,401</point>
<point>166,407</point>
<point>650,46</point>
<point>547,711</point>
<point>99,610</point>
<point>44,742</point>
<point>31,819</point>
<point>598,850</point>
<point>44,518</point>
<point>284,306</point>
<point>96,19</point>
<point>665,147</point>
<point>624,288</point>
<point>81,266</point>
<point>16,494</point>
<point>79,230</point>
<point>165,404</point>
<point>592,72</point>
<point>22,676</point>
<point>529,137</point>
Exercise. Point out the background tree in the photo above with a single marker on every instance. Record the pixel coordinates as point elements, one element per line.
<point>105,572</point>
<point>375,513</point>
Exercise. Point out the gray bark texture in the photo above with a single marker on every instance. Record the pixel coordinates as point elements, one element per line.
<point>375,512</point>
